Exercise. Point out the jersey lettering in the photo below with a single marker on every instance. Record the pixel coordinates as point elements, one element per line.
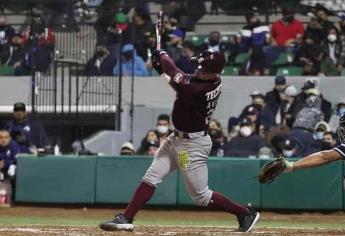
<point>212,99</point>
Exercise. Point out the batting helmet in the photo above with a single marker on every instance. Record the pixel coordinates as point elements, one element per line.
<point>209,61</point>
<point>341,129</point>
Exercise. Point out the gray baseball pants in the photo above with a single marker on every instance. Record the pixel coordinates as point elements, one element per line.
<point>190,157</point>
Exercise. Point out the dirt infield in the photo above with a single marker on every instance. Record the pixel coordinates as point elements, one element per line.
<point>33,221</point>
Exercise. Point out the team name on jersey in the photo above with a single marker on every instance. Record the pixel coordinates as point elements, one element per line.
<point>214,93</point>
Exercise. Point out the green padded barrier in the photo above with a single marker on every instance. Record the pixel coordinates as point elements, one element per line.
<point>197,39</point>
<point>242,58</point>
<point>7,70</point>
<point>311,189</point>
<point>118,177</point>
<point>290,71</point>
<point>54,179</point>
<point>342,73</point>
<point>283,59</point>
<point>234,177</point>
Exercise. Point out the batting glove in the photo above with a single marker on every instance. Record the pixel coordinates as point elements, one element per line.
<point>12,170</point>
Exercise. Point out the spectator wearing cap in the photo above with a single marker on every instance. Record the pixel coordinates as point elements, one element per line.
<point>290,148</point>
<point>102,63</point>
<point>319,130</point>
<point>141,25</point>
<point>329,140</point>
<point>174,47</point>
<point>127,149</point>
<point>13,55</point>
<point>163,127</point>
<point>214,43</point>
<point>8,155</point>
<point>246,144</point>
<point>266,117</point>
<point>6,31</point>
<point>285,36</point>
<point>184,62</point>
<point>290,107</point>
<point>129,55</point>
<point>310,88</point>
<point>151,137</point>
<point>152,149</point>
<point>26,129</point>
<point>273,98</point>
<point>334,120</point>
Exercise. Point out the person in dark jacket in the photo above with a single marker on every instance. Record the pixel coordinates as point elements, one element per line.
<point>101,64</point>
<point>246,144</point>
<point>273,99</point>
<point>6,31</point>
<point>214,43</point>
<point>29,126</point>
<point>184,62</point>
<point>8,152</point>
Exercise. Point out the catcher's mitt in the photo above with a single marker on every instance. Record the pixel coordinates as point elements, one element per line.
<point>271,170</point>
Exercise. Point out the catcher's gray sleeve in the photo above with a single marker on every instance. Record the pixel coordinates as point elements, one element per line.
<point>341,150</point>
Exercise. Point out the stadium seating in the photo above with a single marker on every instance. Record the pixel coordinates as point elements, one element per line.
<point>290,70</point>
<point>231,70</point>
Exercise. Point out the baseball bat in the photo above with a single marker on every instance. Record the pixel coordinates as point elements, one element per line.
<point>159,29</point>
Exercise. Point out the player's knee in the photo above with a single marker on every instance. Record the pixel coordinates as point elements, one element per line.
<point>202,198</point>
<point>151,178</point>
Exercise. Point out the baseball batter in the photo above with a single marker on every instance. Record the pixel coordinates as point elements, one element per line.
<point>187,148</point>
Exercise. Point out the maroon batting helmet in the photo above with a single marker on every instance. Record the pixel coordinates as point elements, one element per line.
<point>209,61</point>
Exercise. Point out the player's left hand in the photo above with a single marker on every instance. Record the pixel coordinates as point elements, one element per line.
<point>155,59</point>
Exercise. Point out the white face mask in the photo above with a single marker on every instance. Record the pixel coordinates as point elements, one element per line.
<point>341,110</point>
<point>332,38</point>
<point>318,135</point>
<point>245,131</point>
<point>288,153</point>
<point>162,129</point>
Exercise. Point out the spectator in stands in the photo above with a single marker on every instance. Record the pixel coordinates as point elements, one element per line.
<point>151,137</point>
<point>215,131</point>
<point>14,55</point>
<point>329,140</point>
<point>130,57</point>
<point>290,148</point>
<point>40,42</point>
<point>310,88</point>
<point>127,149</point>
<point>235,47</point>
<point>174,47</point>
<point>319,24</point>
<point>332,52</point>
<point>184,62</point>
<point>152,149</point>
<point>266,117</point>
<point>310,55</point>
<point>319,130</point>
<point>254,34</point>
<point>273,98</point>
<point>102,63</point>
<point>334,120</point>
<point>141,21</point>
<point>29,127</point>
<point>246,144</point>
<point>290,107</point>
<point>286,36</point>
<point>8,155</point>
<point>214,43</point>
<point>341,29</point>
<point>255,65</point>
<point>163,127</point>
<point>6,31</point>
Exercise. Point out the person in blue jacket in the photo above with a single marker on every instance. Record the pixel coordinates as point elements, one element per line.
<point>8,152</point>
<point>129,54</point>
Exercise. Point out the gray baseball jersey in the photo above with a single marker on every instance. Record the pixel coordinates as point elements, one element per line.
<point>187,148</point>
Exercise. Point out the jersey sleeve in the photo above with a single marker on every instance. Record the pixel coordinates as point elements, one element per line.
<point>341,150</point>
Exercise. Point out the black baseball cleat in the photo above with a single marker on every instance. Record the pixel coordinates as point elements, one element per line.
<point>120,223</point>
<point>248,221</point>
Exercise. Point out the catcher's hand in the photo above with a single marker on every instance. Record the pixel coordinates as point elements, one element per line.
<point>273,169</point>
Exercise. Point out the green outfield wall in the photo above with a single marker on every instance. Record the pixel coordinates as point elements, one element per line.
<point>105,179</point>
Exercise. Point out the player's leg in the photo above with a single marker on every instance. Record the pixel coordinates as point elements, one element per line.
<point>162,164</point>
<point>192,158</point>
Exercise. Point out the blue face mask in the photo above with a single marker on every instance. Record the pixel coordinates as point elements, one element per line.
<point>341,110</point>
<point>318,135</point>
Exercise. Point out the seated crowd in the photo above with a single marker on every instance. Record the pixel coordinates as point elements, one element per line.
<point>281,122</point>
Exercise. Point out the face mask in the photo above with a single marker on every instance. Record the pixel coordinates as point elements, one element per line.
<point>341,111</point>
<point>326,146</point>
<point>245,131</point>
<point>318,135</point>
<point>288,153</point>
<point>332,38</point>
<point>213,42</point>
<point>288,19</point>
<point>162,129</point>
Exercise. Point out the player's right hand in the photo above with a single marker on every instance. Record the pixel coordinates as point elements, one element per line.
<point>156,60</point>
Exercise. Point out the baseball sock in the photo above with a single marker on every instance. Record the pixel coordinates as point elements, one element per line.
<point>143,193</point>
<point>219,201</point>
